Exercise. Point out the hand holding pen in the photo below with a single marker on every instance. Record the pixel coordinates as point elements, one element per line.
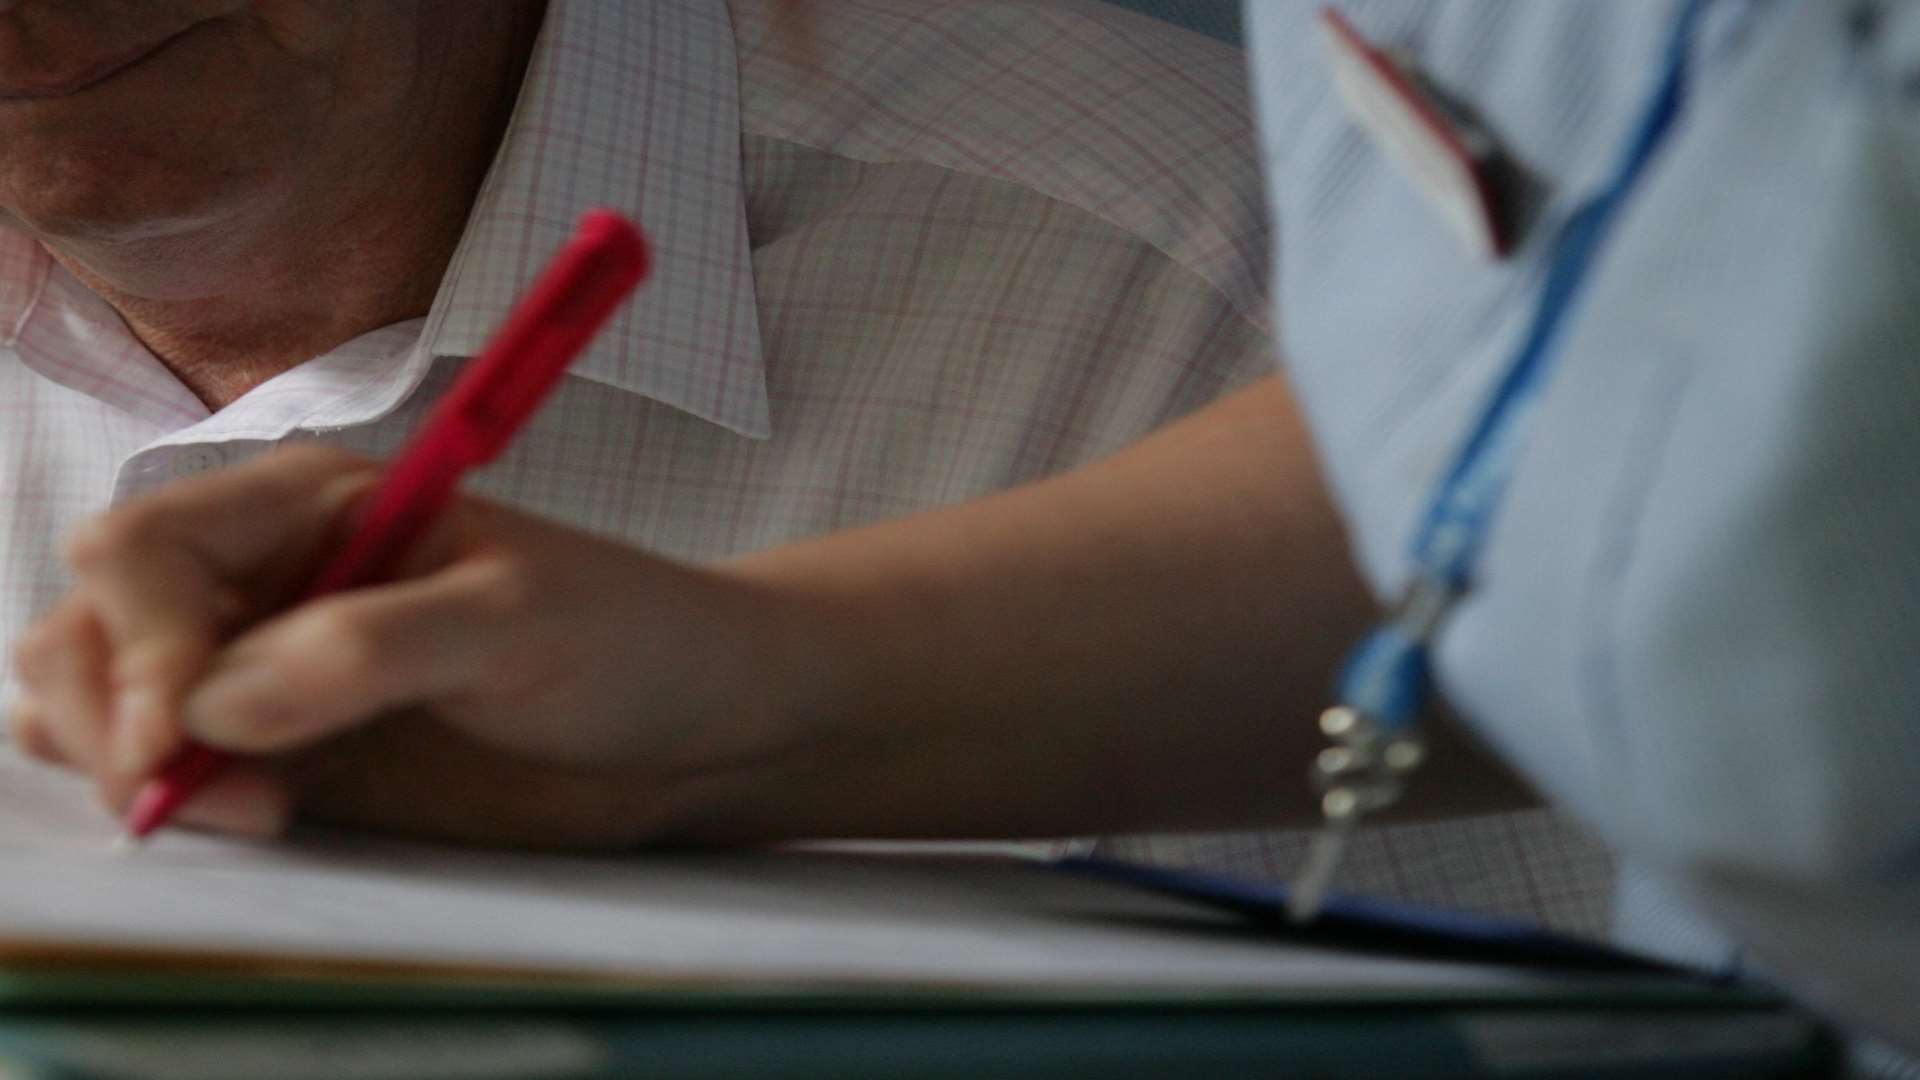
<point>489,692</point>
<point>489,404</point>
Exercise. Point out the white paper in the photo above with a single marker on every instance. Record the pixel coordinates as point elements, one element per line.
<point>771,921</point>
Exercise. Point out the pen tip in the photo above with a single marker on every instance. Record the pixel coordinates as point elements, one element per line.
<point>126,844</point>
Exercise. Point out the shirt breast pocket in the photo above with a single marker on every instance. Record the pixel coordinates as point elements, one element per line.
<point>1393,329</point>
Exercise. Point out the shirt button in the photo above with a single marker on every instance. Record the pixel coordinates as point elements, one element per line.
<point>194,460</point>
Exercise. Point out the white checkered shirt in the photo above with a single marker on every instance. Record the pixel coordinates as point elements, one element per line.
<point>955,247</point>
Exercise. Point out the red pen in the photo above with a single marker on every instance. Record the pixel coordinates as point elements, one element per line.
<point>1452,158</point>
<point>487,406</point>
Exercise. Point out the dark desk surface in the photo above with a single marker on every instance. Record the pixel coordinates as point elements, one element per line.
<point>784,1042</point>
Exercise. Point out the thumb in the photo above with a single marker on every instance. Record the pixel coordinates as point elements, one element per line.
<point>343,660</point>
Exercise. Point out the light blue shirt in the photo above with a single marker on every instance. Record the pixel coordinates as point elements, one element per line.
<point>1697,622</point>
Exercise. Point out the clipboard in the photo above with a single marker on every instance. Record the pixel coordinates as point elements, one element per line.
<point>780,960</point>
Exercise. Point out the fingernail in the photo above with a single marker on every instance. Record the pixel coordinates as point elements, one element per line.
<point>32,739</point>
<point>137,716</point>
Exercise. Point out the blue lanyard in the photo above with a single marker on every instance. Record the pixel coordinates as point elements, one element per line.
<point>1385,681</point>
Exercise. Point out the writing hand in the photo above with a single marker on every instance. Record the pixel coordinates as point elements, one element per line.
<point>520,682</point>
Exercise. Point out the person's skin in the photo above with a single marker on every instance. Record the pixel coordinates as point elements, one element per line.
<point>253,182</point>
<point>1143,643</point>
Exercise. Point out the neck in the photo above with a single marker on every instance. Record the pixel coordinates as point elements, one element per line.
<point>353,245</point>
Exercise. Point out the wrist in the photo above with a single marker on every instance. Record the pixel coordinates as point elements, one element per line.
<point>783,754</point>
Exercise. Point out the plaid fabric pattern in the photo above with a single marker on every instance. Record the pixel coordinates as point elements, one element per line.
<point>954,248</point>
<point>1536,864</point>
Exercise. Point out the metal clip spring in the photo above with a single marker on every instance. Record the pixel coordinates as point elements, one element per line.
<point>1364,771</point>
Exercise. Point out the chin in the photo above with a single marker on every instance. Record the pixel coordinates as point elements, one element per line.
<point>131,161</point>
<point>118,190</point>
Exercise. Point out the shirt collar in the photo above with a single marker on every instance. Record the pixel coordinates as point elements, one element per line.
<point>633,107</point>
<point>628,106</point>
<point>23,276</point>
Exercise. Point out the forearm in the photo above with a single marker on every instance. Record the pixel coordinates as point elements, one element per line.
<point>1143,643</point>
